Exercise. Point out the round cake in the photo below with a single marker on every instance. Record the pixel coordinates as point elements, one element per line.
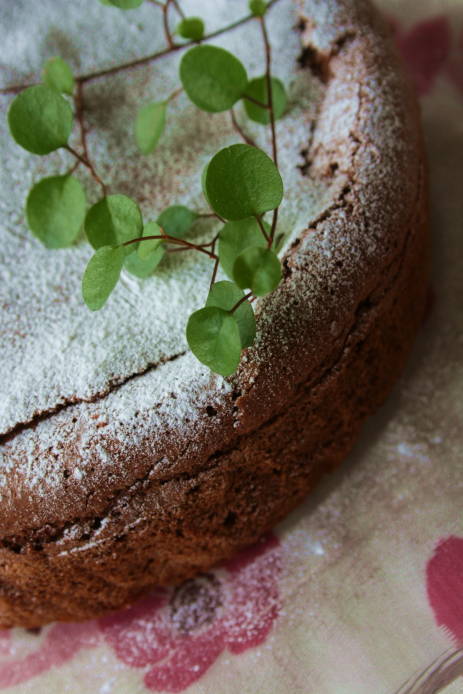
<point>125,463</point>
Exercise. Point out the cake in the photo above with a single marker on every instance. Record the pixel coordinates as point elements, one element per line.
<point>125,463</point>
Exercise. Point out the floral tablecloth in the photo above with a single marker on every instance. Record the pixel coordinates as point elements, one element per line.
<point>360,591</point>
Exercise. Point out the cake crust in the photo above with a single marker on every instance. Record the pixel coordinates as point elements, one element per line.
<point>177,501</point>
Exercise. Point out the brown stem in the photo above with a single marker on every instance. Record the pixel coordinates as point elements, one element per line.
<point>241,301</point>
<point>261,104</point>
<point>268,75</point>
<point>262,228</point>
<point>12,89</point>
<point>210,243</point>
<point>216,264</point>
<point>274,226</point>
<point>240,131</point>
<point>175,94</point>
<point>165,20</point>
<point>178,8</point>
<point>88,164</point>
<point>173,240</point>
<point>166,51</point>
<point>79,100</point>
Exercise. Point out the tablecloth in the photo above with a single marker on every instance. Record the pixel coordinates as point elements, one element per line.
<point>360,591</point>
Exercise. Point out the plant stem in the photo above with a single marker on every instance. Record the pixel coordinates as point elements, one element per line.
<point>86,162</point>
<point>261,104</point>
<point>15,88</point>
<point>240,131</point>
<point>175,94</point>
<point>268,76</point>
<point>178,8</point>
<point>165,20</point>
<point>173,240</point>
<point>241,301</point>
<point>216,264</point>
<point>262,228</point>
<point>79,102</point>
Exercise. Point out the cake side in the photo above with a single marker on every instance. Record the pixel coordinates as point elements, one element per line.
<point>162,497</point>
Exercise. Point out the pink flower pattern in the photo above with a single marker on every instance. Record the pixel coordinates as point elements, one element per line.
<point>180,637</point>
<point>173,635</point>
<point>430,48</point>
<point>444,581</point>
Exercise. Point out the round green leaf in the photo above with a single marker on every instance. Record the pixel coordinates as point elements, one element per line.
<point>40,119</point>
<point>226,295</point>
<point>257,269</point>
<point>214,338</point>
<point>149,126</point>
<point>176,220</point>
<point>257,88</point>
<point>146,255</point>
<point>112,221</point>
<point>126,4</point>
<point>101,276</point>
<point>57,74</point>
<point>191,28</point>
<point>235,237</point>
<point>242,181</point>
<point>55,210</point>
<point>258,7</point>
<point>213,78</point>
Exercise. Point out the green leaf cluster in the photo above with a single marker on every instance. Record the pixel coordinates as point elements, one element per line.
<point>216,334</point>
<point>115,223</point>
<point>241,184</point>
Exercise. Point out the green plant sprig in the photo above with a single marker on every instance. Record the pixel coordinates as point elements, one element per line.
<point>240,183</point>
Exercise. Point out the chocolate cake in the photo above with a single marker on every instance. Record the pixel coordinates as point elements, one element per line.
<point>125,463</point>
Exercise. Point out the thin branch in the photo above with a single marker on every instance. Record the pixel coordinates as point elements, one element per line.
<point>210,243</point>
<point>175,94</point>
<point>166,51</point>
<point>79,101</point>
<point>274,226</point>
<point>13,89</point>
<point>88,164</point>
<point>268,75</point>
<point>241,301</point>
<point>262,228</point>
<point>178,8</point>
<point>165,21</point>
<point>216,264</point>
<point>240,131</point>
<point>173,240</point>
<point>261,104</point>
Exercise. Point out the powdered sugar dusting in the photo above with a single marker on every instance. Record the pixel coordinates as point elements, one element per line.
<point>54,350</point>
